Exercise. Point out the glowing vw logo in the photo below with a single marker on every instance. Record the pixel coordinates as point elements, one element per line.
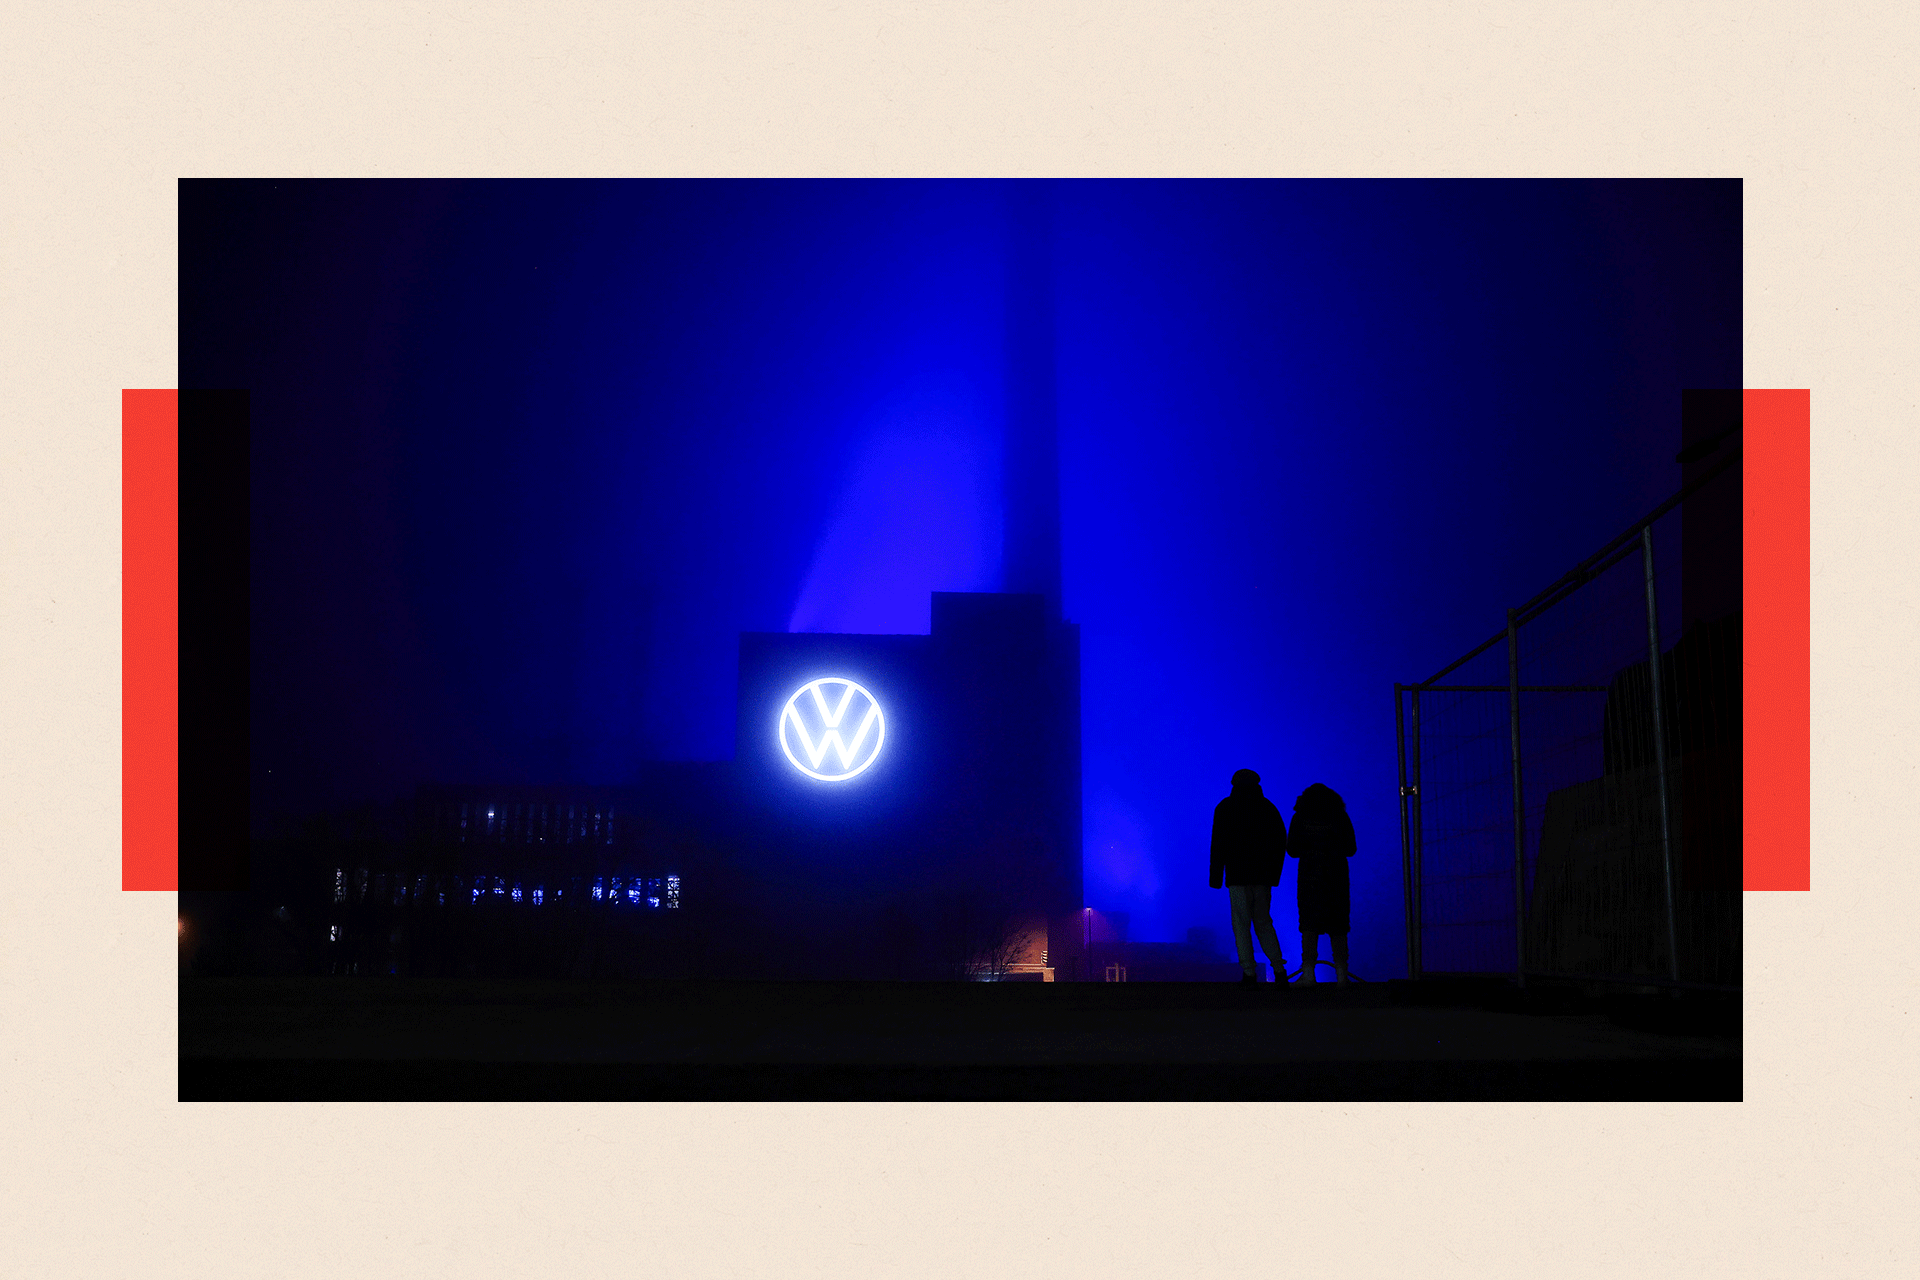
<point>832,729</point>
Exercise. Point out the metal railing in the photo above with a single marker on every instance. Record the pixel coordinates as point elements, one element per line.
<point>1570,788</point>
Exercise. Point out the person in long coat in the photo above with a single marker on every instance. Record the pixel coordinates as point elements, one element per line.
<point>1249,852</point>
<point>1322,841</point>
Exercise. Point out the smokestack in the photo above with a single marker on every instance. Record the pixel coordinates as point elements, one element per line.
<point>1031,555</point>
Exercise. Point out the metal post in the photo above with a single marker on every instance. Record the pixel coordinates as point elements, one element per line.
<point>1086,941</point>
<point>1519,802</point>
<point>1660,750</point>
<point>1414,819</point>
<point>1406,847</point>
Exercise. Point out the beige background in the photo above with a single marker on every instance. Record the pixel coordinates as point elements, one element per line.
<point>102,107</point>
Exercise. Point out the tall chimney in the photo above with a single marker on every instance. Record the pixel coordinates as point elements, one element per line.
<point>1031,551</point>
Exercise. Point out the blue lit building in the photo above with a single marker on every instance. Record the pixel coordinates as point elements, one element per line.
<point>900,806</point>
<point>563,881</point>
<point>951,845</point>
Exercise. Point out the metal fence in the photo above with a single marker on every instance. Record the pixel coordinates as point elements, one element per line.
<point>1548,830</point>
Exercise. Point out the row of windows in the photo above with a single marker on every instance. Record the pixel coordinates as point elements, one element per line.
<point>658,892</point>
<point>533,823</point>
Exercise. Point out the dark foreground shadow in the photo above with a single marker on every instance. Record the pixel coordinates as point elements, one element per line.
<point>347,1039</point>
<point>343,1080</point>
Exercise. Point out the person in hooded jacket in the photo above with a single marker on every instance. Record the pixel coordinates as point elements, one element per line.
<point>1249,852</point>
<point>1322,841</point>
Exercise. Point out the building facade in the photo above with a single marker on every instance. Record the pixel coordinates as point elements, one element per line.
<point>898,807</point>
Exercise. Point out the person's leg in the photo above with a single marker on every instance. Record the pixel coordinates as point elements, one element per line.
<point>1309,957</point>
<point>1260,899</point>
<point>1339,955</point>
<point>1242,915</point>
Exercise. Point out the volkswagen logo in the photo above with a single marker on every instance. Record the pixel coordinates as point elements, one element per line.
<point>831,729</point>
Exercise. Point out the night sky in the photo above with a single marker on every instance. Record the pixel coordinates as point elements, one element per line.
<point>528,456</point>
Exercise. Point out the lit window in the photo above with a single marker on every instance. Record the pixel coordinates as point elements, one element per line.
<point>476,895</point>
<point>516,893</point>
<point>333,933</point>
<point>339,885</point>
<point>536,895</point>
<point>596,888</point>
<point>499,886</point>
<point>673,892</point>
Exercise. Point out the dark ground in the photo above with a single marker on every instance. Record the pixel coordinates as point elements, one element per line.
<point>350,1038</point>
<point>417,1039</point>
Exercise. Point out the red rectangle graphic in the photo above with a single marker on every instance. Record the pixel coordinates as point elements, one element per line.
<point>149,640</point>
<point>1777,695</point>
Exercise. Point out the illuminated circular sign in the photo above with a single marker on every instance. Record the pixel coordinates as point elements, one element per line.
<point>831,729</point>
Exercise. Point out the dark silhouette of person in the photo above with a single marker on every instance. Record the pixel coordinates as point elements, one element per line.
<point>1322,841</point>
<point>1249,852</point>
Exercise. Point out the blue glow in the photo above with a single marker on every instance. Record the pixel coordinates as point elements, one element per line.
<point>853,757</point>
<point>1313,438</point>
<point>919,512</point>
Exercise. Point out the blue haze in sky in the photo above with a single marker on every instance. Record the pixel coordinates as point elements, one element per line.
<point>528,457</point>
